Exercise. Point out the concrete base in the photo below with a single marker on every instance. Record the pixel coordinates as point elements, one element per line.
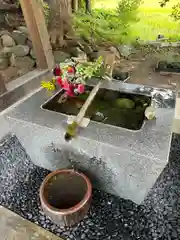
<point>122,162</point>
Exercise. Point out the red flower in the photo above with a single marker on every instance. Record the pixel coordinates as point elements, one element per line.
<point>57,71</point>
<point>71,69</point>
<point>60,82</point>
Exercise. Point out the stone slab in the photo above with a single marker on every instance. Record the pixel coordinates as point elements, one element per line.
<point>14,227</point>
<point>21,87</point>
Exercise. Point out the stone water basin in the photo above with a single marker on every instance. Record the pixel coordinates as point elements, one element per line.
<point>119,161</point>
<point>109,107</point>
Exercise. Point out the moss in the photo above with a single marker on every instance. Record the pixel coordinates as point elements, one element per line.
<point>125,103</point>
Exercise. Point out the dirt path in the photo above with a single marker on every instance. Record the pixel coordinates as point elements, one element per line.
<point>141,67</point>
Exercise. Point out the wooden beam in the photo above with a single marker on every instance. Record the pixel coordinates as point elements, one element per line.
<point>35,21</point>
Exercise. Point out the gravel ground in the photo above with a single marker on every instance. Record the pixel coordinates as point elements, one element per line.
<point>110,217</point>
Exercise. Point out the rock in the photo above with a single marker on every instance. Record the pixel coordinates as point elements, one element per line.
<point>32,54</point>
<point>82,57</point>
<point>75,51</point>
<point>5,32</point>
<point>19,37</point>
<point>160,36</point>
<point>175,65</point>
<point>7,41</point>
<point>119,75</point>
<point>9,74</point>
<point>22,62</point>
<point>23,29</point>
<point>2,19</point>
<point>29,43</point>
<point>4,63</point>
<point>87,49</point>
<point>20,50</point>
<point>60,56</point>
<point>165,44</point>
<point>115,51</point>
<point>124,103</point>
<point>175,44</point>
<point>23,71</point>
<point>93,56</point>
<point>1,46</point>
<point>6,52</point>
<point>125,50</point>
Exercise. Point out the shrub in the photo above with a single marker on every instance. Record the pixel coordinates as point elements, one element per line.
<point>101,26</point>
<point>108,25</point>
<point>176,12</point>
<point>128,10</point>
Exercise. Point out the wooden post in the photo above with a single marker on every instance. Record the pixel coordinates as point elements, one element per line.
<point>35,21</point>
<point>2,86</point>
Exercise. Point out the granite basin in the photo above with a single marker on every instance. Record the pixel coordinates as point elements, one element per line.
<point>122,162</point>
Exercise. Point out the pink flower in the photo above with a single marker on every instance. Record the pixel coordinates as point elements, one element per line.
<point>70,90</point>
<point>66,85</point>
<point>80,88</point>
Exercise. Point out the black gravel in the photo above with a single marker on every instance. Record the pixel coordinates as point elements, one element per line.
<point>110,217</point>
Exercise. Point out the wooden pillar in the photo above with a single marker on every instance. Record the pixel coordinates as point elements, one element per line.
<point>35,21</point>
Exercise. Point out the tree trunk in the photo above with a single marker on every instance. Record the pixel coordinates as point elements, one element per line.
<point>85,4</point>
<point>88,6</point>
<point>75,5</point>
<point>60,23</point>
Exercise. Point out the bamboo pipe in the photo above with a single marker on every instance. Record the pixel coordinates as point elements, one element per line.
<point>109,60</point>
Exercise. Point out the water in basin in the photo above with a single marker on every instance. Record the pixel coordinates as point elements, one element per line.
<point>109,107</point>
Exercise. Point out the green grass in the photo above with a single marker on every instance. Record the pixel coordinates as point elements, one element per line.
<point>154,20</point>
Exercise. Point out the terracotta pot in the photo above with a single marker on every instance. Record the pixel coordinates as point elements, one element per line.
<point>65,196</point>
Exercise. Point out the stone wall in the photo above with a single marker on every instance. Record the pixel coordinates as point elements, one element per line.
<point>16,53</point>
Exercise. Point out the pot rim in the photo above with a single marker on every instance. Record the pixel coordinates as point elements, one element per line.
<point>76,207</point>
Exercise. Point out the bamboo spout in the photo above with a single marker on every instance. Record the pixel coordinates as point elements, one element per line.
<point>72,129</point>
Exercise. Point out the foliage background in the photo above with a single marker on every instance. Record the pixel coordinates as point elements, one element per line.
<point>124,20</point>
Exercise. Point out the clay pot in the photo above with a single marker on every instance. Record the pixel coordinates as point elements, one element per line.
<point>65,196</point>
